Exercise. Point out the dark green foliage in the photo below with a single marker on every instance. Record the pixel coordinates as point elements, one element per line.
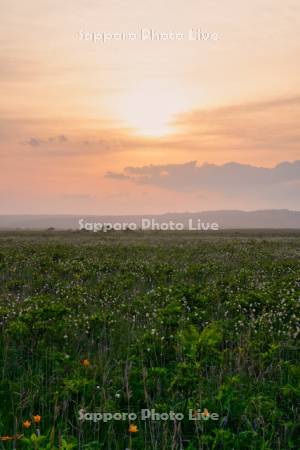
<point>172,322</point>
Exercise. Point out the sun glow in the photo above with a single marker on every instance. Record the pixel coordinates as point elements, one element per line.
<point>150,108</point>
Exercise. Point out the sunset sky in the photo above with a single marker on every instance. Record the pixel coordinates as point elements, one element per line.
<point>149,126</point>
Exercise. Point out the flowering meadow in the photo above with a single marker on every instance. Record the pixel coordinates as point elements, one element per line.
<point>165,321</point>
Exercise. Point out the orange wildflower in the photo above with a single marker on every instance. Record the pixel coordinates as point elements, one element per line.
<point>133,428</point>
<point>37,418</point>
<point>85,362</point>
<point>205,412</point>
<point>26,424</point>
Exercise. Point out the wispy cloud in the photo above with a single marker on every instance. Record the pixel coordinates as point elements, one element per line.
<point>258,131</point>
<point>37,142</point>
<point>259,126</point>
<point>117,176</point>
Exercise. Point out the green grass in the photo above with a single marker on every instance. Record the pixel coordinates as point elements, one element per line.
<point>169,321</point>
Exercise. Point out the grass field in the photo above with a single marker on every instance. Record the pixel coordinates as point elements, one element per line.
<point>122,322</point>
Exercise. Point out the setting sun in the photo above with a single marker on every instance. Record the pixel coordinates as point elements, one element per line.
<point>150,108</point>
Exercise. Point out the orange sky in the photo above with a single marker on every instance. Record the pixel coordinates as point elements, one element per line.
<point>75,113</point>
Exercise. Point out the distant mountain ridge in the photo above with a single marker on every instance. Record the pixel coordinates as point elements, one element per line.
<point>226,219</point>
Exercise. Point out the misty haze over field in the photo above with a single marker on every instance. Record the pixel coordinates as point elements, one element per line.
<point>225,219</point>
